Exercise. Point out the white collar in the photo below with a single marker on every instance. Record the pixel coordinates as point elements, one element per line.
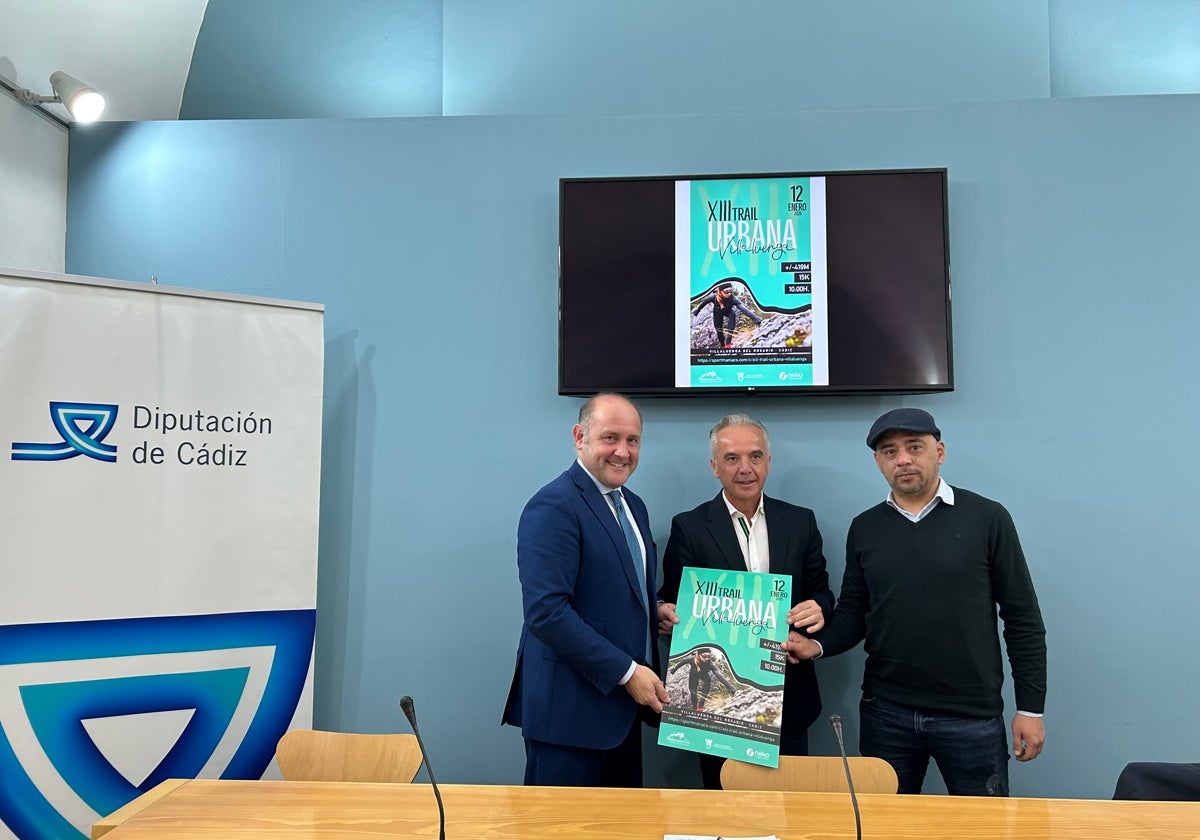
<point>945,493</point>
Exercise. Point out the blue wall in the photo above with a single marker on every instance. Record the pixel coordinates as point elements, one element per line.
<point>1120,47</point>
<point>375,58</point>
<point>710,56</point>
<point>315,58</point>
<point>432,243</point>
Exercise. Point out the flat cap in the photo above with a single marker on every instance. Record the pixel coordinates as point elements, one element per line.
<point>903,420</point>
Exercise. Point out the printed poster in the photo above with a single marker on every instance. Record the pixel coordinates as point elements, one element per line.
<point>725,670</point>
<point>750,283</point>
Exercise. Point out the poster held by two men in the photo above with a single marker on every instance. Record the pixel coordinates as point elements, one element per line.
<point>726,666</point>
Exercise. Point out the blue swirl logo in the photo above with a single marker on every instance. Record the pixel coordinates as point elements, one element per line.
<point>82,428</point>
<point>232,681</point>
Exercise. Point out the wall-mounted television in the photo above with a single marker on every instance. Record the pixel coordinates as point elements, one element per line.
<point>781,283</point>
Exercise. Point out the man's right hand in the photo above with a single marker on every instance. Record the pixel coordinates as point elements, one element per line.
<point>807,616</point>
<point>799,647</point>
<point>646,688</point>
<point>667,618</point>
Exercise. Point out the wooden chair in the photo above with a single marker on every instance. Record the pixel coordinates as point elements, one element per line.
<point>817,773</point>
<point>311,755</point>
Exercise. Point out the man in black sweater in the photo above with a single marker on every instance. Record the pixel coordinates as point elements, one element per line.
<point>925,572</point>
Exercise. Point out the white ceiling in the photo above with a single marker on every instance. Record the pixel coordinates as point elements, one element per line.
<point>135,52</point>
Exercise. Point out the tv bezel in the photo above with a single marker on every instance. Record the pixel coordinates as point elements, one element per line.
<point>780,390</point>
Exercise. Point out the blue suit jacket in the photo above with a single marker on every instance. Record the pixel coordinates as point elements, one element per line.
<point>704,537</point>
<point>584,619</point>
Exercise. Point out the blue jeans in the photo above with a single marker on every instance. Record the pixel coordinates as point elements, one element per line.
<point>971,753</point>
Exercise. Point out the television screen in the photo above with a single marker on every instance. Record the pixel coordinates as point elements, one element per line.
<point>794,283</point>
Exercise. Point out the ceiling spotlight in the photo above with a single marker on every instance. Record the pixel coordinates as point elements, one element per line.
<point>83,102</point>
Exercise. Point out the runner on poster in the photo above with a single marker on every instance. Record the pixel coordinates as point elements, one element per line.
<point>725,669</point>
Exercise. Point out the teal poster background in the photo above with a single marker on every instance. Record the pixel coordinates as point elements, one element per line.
<point>725,669</point>
<point>751,238</point>
<point>749,227</point>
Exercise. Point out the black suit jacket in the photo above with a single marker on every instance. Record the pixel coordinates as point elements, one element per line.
<point>705,537</point>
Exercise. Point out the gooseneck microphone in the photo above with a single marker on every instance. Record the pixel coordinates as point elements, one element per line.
<point>406,705</point>
<point>836,721</point>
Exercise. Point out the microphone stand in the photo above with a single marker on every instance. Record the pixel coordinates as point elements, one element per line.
<point>836,721</point>
<point>406,705</point>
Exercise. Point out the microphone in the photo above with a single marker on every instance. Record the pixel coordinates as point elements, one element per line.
<point>406,705</point>
<point>836,721</point>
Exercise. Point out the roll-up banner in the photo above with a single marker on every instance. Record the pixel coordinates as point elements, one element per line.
<point>159,489</point>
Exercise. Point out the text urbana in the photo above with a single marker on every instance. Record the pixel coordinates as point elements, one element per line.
<point>717,609</point>
<point>775,237</point>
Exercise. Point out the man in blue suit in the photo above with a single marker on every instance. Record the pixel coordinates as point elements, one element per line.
<point>744,530</point>
<point>585,675</point>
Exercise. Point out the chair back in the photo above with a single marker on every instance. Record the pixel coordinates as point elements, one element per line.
<point>311,755</point>
<point>1159,781</point>
<point>815,773</point>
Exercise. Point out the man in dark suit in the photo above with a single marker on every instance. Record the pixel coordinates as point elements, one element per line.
<point>586,675</point>
<point>742,529</point>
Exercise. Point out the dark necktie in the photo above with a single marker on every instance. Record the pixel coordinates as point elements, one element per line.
<point>635,551</point>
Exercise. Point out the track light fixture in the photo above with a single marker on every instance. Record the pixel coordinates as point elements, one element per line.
<point>84,103</point>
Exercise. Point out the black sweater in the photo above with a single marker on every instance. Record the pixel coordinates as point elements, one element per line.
<point>924,596</point>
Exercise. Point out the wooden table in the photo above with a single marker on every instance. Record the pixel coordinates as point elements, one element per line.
<point>232,810</point>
